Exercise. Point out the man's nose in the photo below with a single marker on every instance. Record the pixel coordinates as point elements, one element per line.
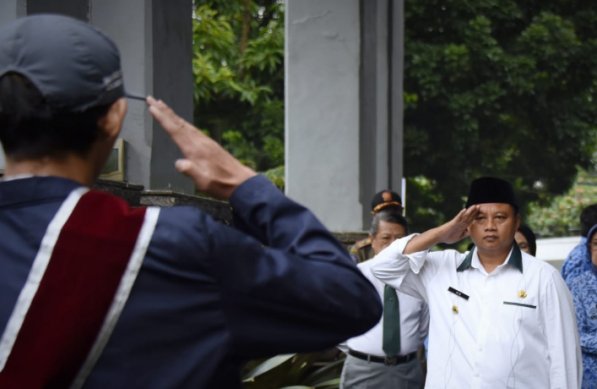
<point>490,225</point>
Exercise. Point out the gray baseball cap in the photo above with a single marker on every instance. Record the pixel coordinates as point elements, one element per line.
<point>73,64</point>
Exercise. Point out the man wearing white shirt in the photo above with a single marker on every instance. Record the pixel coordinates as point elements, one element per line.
<point>499,317</point>
<point>370,361</point>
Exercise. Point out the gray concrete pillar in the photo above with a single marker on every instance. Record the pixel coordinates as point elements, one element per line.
<point>11,9</point>
<point>381,130</point>
<point>343,106</point>
<point>155,41</point>
<point>322,109</point>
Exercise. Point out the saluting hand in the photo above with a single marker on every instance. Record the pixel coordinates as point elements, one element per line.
<point>214,170</point>
<point>450,232</point>
<point>456,229</point>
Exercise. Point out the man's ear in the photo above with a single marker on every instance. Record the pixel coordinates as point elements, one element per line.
<point>111,122</point>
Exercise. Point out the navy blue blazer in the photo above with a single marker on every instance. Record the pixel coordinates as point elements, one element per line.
<point>208,296</point>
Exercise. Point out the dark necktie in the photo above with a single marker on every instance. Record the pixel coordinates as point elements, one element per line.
<point>391,322</point>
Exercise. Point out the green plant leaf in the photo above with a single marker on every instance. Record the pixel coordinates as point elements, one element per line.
<point>267,366</point>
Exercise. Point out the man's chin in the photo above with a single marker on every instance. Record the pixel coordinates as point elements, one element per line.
<point>492,247</point>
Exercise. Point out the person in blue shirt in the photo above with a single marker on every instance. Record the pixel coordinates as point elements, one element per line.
<point>575,263</point>
<point>94,293</point>
<point>584,294</point>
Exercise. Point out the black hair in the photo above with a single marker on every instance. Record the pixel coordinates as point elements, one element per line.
<point>390,216</point>
<point>30,128</point>
<point>588,218</point>
<point>530,237</point>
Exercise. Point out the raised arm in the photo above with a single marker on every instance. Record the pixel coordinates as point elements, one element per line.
<point>450,232</point>
<point>293,287</point>
<point>299,289</point>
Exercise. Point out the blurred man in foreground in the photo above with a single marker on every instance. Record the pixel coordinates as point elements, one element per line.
<point>95,293</point>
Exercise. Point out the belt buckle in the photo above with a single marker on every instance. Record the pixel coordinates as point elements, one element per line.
<point>390,361</point>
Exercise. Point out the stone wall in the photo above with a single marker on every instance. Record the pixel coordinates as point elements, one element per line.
<point>136,195</point>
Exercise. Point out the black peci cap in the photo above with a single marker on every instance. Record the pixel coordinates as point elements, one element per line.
<point>73,65</point>
<point>384,199</point>
<point>491,190</point>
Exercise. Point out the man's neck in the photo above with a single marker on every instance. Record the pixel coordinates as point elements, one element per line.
<point>70,166</point>
<point>491,260</point>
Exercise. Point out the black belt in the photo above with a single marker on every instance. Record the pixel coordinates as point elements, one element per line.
<point>390,361</point>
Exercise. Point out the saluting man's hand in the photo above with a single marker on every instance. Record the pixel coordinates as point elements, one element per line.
<point>456,229</point>
<point>450,232</point>
<point>214,170</point>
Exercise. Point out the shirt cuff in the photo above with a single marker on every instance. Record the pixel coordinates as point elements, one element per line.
<point>394,252</point>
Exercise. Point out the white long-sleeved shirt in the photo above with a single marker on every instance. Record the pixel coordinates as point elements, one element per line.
<point>414,321</point>
<point>512,328</point>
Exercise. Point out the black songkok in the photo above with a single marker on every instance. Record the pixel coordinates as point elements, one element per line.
<point>491,190</point>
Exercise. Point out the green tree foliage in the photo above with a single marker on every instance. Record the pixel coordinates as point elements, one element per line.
<point>491,87</point>
<point>497,87</point>
<point>238,66</point>
<point>562,216</point>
